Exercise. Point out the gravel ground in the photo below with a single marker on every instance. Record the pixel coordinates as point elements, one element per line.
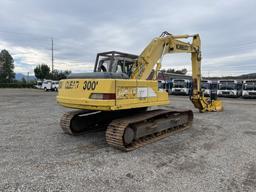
<point>217,154</point>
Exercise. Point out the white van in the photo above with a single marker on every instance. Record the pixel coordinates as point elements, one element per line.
<point>55,85</point>
<point>38,84</point>
<point>50,85</point>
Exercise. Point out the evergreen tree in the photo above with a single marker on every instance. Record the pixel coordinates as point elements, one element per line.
<point>6,67</point>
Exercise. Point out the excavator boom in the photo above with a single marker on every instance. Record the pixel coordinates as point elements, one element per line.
<point>166,44</point>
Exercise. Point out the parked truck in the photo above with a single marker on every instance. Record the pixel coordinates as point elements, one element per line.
<point>181,87</point>
<point>229,88</point>
<point>249,89</point>
<point>209,87</point>
<point>206,87</point>
<point>38,84</point>
<point>166,85</point>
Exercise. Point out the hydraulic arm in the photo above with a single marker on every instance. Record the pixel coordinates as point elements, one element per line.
<point>151,58</point>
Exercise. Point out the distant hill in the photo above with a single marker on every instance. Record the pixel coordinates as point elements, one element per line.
<point>248,76</point>
<point>19,76</point>
<point>239,77</point>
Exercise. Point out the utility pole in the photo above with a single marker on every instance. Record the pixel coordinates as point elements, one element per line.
<point>52,55</point>
<point>28,77</point>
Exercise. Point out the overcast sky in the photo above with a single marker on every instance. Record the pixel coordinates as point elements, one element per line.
<point>82,28</point>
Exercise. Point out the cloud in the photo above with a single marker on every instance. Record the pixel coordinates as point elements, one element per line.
<point>80,29</point>
<point>26,59</point>
<point>245,57</point>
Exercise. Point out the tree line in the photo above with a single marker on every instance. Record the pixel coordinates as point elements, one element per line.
<point>182,71</point>
<point>43,72</point>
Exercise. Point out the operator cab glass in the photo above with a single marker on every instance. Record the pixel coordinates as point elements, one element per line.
<point>104,65</point>
<point>114,62</point>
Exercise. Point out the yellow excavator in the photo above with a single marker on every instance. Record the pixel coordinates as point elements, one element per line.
<point>117,96</point>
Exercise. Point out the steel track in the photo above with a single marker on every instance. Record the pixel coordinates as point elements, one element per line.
<point>116,129</point>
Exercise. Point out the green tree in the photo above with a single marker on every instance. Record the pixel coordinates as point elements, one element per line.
<point>6,67</point>
<point>170,70</point>
<point>182,71</point>
<point>162,70</point>
<point>58,74</point>
<point>42,71</point>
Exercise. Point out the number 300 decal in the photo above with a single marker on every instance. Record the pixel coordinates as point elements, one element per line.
<point>90,85</point>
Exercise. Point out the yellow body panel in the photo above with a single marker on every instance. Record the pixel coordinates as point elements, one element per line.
<point>130,93</point>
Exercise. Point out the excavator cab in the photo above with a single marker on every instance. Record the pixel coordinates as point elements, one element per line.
<point>114,62</point>
<point>109,65</point>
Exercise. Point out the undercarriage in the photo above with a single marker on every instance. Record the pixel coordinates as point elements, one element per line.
<point>127,129</point>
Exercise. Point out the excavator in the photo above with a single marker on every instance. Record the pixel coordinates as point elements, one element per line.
<point>122,96</point>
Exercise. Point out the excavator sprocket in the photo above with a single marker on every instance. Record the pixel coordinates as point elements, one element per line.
<point>135,131</point>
